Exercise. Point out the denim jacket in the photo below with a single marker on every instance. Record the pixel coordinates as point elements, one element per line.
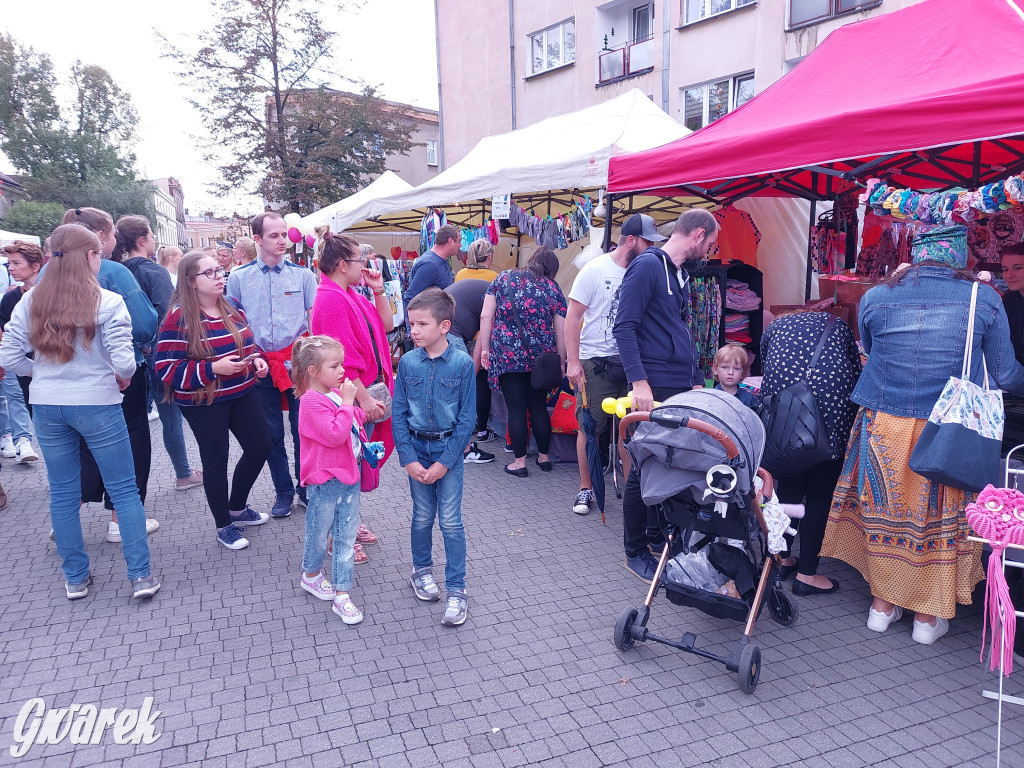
<point>914,335</point>
<point>434,394</point>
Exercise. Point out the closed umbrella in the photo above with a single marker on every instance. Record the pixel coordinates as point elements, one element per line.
<point>589,427</point>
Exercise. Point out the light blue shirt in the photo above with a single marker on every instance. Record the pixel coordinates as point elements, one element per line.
<point>276,300</point>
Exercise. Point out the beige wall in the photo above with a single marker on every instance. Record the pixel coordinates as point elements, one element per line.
<point>474,57</point>
<point>413,167</point>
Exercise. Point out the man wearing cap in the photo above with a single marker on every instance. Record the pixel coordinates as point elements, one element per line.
<point>591,351</point>
<point>657,350</point>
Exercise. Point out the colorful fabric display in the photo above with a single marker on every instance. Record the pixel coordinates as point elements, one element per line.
<point>705,317</point>
<point>432,221</point>
<point>944,208</point>
<point>737,328</point>
<point>738,296</point>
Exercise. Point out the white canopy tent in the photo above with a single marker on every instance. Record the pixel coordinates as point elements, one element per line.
<point>388,183</point>
<point>6,238</point>
<point>557,155</point>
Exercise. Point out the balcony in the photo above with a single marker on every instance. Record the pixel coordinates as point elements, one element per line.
<point>626,60</point>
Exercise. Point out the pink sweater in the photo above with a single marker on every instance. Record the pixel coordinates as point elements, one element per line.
<point>325,439</point>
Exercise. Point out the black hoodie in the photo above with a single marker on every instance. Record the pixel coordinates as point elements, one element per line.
<point>654,342</point>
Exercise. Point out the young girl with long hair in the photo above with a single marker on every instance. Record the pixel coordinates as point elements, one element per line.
<point>80,335</point>
<point>145,322</point>
<point>208,361</point>
<point>330,433</point>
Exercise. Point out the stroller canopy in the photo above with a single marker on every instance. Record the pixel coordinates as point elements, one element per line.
<point>671,461</point>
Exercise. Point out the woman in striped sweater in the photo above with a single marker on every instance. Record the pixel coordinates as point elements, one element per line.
<point>208,361</point>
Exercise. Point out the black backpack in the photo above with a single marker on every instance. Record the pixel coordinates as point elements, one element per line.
<point>796,435</point>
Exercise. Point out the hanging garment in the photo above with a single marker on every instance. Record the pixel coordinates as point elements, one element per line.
<point>738,237</point>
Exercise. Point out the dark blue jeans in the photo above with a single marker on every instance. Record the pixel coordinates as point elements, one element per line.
<point>270,396</point>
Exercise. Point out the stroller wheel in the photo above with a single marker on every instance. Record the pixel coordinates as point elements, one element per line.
<point>750,668</point>
<point>624,628</point>
<point>781,608</point>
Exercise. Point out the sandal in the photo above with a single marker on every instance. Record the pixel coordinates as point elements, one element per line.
<point>365,536</point>
<point>346,609</point>
<point>359,554</point>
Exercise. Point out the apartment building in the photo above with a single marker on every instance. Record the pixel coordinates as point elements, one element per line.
<point>172,188</point>
<point>505,64</point>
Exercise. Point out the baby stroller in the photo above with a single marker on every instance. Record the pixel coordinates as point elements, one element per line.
<point>697,456</point>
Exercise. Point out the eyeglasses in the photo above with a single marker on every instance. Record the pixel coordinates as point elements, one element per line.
<point>213,273</point>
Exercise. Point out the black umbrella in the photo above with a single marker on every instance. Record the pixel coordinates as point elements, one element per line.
<point>589,427</point>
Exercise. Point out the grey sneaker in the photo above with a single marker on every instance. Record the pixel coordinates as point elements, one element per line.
<point>147,586</point>
<point>79,589</point>
<point>456,610</point>
<point>423,584</point>
<point>582,502</point>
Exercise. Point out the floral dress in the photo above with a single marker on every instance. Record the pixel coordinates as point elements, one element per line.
<point>535,301</point>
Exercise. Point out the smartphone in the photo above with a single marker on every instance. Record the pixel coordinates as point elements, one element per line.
<point>247,358</point>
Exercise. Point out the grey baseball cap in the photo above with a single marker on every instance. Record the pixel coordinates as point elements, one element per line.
<point>641,225</point>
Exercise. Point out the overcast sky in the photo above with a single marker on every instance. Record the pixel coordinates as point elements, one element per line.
<point>389,43</point>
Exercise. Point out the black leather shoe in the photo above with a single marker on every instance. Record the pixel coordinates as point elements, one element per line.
<point>545,466</point>
<point>808,590</point>
<point>521,472</point>
<point>787,572</point>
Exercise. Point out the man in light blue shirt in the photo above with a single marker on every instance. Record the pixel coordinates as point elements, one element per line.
<point>431,270</point>
<point>276,296</point>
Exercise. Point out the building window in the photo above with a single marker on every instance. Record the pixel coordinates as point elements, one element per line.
<point>553,47</point>
<point>695,10</point>
<point>703,104</point>
<point>807,11</point>
<point>643,23</point>
<point>431,152</point>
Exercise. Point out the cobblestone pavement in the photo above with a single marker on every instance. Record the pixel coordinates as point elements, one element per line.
<point>247,669</point>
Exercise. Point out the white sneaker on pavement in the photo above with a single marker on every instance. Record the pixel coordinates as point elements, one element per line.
<point>114,530</point>
<point>25,453</point>
<point>7,447</point>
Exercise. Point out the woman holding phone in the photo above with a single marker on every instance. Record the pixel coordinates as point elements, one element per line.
<point>208,361</point>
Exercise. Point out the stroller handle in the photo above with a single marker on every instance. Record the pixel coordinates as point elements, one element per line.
<point>674,422</point>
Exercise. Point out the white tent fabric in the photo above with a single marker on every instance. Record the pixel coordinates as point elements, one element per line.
<point>569,151</point>
<point>6,238</point>
<point>388,183</point>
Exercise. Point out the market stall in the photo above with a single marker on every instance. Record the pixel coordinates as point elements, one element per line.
<point>6,238</point>
<point>925,98</point>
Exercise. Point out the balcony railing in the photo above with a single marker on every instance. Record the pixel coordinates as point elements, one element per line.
<point>625,60</point>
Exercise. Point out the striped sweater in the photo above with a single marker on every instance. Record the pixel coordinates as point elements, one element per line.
<point>186,376</point>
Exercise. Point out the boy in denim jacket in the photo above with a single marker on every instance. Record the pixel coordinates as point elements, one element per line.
<point>433,414</point>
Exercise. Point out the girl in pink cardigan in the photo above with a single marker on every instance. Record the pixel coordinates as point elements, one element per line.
<point>330,449</point>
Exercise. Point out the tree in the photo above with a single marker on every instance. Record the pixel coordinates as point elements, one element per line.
<point>260,79</point>
<point>28,218</point>
<point>76,154</point>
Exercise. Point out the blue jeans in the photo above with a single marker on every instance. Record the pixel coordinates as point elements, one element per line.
<point>58,428</point>
<point>170,420</point>
<point>19,423</point>
<point>270,396</point>
<point>333,507</point>
<point>442,500</point>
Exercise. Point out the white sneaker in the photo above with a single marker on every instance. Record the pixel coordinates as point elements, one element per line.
<point>879,622</point>
<point>926,634</point>
<point>25,453</point>
<point>114,530</point>
<point>153,415</point>
<point>7,447</point>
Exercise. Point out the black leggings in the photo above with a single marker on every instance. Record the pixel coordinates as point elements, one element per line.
<point>483,400</point>
<point>244,418</point>
<point>133,405</point>
<point>520,397</point>
<point>814,489</point>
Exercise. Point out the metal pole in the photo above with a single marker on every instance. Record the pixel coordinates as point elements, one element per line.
<point>810,257</point>
<point>609,208</point>
<point>512,57</point>
<point>440,101</point>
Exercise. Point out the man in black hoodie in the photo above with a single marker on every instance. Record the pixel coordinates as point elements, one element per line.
<point>657,350</point>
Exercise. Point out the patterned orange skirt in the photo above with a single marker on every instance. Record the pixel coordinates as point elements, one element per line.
<point>906,535</point>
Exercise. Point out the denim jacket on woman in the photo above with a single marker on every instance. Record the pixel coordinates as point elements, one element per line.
<point>914,335</point>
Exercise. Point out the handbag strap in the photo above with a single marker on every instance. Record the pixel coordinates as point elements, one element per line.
<point>821,344</point>
<point>969,343</point>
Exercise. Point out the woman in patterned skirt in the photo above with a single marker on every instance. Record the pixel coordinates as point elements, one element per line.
<point>905,534</point>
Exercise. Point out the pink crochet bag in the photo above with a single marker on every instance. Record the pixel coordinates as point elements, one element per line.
<point>998,515</point>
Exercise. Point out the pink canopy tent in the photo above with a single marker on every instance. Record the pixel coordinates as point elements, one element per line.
<point>927,97</point>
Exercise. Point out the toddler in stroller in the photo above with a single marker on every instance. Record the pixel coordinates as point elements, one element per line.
<point>698,458</point>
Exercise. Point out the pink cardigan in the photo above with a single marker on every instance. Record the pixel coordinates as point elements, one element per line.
<point>325,439</point>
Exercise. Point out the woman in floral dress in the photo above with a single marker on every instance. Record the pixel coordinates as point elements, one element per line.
<point>523,316</point>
